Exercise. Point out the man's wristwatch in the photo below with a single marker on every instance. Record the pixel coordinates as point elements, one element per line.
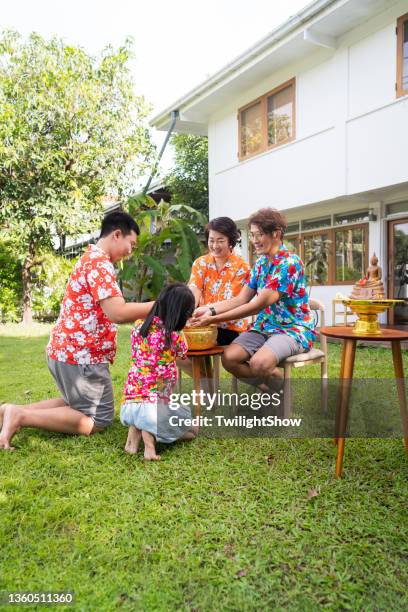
<point>212,310</point>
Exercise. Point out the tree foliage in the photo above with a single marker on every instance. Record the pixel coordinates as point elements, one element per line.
<point>188,179</point>
<point>72,130</point>
<point>165,249</point>
<point>10,283</point>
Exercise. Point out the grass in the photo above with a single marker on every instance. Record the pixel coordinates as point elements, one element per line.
<point>226,524</point>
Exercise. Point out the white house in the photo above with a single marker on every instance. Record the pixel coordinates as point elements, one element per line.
<point>313,120</point>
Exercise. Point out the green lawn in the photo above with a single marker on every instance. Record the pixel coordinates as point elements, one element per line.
<point>218,524</point>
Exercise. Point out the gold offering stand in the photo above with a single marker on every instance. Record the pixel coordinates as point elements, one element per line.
<point>367,312</point>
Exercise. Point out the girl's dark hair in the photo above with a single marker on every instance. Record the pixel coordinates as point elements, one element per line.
<point>174,305</point>
<point>225,226</point>
<point>269,220</point>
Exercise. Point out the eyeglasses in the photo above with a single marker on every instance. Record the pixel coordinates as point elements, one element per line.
<point>255,236</point>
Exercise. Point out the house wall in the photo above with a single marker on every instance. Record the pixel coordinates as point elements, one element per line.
<point>350,128</point>
<point>351,134</point>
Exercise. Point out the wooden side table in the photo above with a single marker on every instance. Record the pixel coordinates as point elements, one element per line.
<point>346,334</point>
<point>202,363</point>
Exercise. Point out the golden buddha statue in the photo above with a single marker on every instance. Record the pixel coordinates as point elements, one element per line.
<point>371,286</point>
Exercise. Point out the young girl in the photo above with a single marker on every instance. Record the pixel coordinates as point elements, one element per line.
<point>156,344</point>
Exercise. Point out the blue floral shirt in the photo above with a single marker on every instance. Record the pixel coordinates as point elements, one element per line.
<point>291,313</point>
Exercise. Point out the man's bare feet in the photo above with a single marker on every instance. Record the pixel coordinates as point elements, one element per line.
<point>150,447</point>
<point>11,424</point>
<point>133,440</point>
<point>273,383</point>
<point>2,409</point>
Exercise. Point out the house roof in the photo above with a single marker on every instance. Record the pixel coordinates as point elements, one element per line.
<point>319,24</point>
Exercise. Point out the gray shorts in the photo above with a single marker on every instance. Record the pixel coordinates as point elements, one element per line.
<point>87,388</point>
<point>281,345</point>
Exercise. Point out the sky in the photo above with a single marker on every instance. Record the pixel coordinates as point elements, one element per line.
<point>177,43</point>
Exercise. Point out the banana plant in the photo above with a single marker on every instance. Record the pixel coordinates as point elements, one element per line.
<point>166,248</point>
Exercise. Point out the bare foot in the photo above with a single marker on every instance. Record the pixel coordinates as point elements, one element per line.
<point>2,409</point>
<point>150,447</point>
<point>272,384</point>
<point>11,424</point>
<point>150,454</point>
<point>133,440</point>
<point>190,435</point>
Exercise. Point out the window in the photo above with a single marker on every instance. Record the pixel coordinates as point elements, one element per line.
<point>293,228</point>
<point>267,122</point>
<point>353,217</point>
<point>251,130</point>
<point>402,56</point>
<point>397,208</point>
<point>316,254</point>
<point>292,242</point>
<point>280,116</point>
<point>312,224</point>
<point>351,254</point>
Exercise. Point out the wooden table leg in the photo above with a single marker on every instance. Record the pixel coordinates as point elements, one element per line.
<point>343,358</point>
<point>399,375</point>
<point>209,374</point>
<point>349,349</point>
<point>197,382</point>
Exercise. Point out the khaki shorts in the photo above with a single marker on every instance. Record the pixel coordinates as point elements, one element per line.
<point>281,345</point>
<point>87,388</point>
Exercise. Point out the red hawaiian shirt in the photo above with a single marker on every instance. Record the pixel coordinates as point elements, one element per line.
<point>83,333</point>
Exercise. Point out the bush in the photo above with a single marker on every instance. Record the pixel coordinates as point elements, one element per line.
<point>11,289</point>
<point>50,280</point>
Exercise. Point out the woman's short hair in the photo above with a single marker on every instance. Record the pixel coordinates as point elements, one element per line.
<point>226,226</point>
<point>269,220</point>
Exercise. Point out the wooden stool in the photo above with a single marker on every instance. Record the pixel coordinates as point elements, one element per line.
<point>201,362</point>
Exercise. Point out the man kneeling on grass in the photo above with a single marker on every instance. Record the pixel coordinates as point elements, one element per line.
<point>83,341</point>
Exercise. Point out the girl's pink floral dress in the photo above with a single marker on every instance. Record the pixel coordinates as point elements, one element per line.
<point>153,371</point>
<point>150,382</point>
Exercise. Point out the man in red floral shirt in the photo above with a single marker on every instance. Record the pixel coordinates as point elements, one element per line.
<point>83,341</point>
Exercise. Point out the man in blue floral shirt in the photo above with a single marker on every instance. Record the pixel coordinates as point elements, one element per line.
<point>276,293</point>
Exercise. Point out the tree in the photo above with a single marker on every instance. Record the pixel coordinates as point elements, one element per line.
<point>71,131</point>
<point>188,180</point>
<point>166,237</point>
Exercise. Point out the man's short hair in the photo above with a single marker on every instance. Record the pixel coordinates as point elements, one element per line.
<point>269,220</point>
<point>119,220</point>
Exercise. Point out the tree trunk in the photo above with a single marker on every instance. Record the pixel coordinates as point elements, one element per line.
<point>27,286</point>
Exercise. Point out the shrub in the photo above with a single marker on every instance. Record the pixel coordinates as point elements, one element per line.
<point>10,284</point>
<point>50,280</point>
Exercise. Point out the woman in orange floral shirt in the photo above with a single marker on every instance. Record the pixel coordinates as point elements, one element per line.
<point>220,275</point>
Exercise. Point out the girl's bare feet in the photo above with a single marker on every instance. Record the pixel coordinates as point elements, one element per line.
<point>150,447</point>
<point>133,440</point>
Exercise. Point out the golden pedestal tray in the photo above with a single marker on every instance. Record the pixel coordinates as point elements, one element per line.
<point>367,310</point>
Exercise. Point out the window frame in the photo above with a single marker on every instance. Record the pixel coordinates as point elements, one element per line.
<point>264,120</point>
<point>400,55</point>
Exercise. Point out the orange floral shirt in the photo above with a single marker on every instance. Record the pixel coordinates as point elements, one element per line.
<point>219,285</point>
<point>83,333</point>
